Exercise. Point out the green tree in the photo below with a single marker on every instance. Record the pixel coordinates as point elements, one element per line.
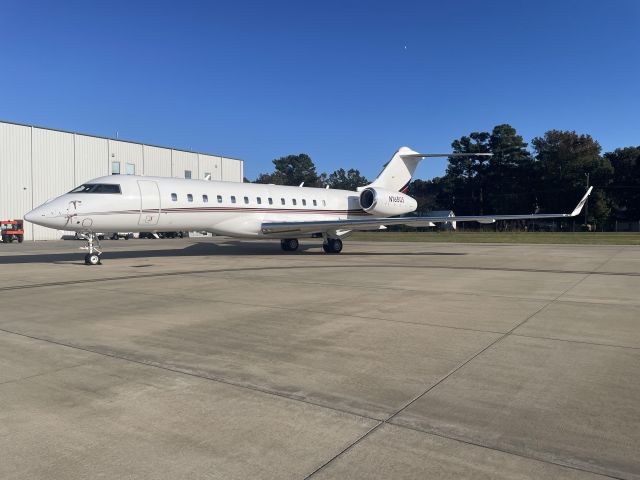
<point>434,194</point>
<point>292,170</point>
<point>625,186</point>
<point>468,175</point>
<point>510,173</point>
<point>564,158</point>
<point>345,180</point>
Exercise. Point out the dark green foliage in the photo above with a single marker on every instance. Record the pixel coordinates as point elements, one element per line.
<point>292,170</point>
<point>564,158</point>
<point>349,180</point>
<point>624,190</point>
<point>512,180</point>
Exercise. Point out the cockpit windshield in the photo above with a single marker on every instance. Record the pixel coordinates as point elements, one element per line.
<point>97,188</point>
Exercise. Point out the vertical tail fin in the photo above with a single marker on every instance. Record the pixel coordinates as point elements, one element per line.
<point>397,173</point>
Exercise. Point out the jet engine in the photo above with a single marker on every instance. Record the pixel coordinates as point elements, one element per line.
<point>386,203</point>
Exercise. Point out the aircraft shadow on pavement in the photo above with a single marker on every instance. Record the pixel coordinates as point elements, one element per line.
<point>74,254</point>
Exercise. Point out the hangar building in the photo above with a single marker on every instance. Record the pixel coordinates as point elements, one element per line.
<point>37,164</point>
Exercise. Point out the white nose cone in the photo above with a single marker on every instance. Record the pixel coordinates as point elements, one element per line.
<point>38,216</point>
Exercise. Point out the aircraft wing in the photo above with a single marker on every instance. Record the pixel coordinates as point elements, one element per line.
<point>292,228</point>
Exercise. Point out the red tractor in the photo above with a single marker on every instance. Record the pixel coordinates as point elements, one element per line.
<point>12,230</point>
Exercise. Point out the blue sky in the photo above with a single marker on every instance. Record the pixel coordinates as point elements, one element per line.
<point>346,82</point>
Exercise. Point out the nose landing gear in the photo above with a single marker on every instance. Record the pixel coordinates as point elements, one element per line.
<point>93,245</point>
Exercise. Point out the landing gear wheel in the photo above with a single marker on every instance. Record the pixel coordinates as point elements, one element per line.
<point>92,259</point>
<point>333,245</point>
<point>289,244</point>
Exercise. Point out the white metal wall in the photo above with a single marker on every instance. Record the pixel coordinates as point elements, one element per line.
<point>52,164</point>
<point>91,158</point>
<point>126,153</point>
<point>232,168</point>
<point>210,164</point>
<point>184,161</point>
<point>15,172</point>
<point>38,163</point>
<point>157,161</point>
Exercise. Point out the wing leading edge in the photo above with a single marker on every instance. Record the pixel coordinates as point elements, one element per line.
<point>291,228</point>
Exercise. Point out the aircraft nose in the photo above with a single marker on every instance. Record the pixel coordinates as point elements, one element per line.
<point>38,216</point>
<point>31,216</point>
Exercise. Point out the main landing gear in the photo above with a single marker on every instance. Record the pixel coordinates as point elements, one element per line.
<point>332,245</point>
<point>93,245</point>
<point>289,244</point>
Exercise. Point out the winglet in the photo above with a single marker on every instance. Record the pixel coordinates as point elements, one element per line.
<point>576,210</point>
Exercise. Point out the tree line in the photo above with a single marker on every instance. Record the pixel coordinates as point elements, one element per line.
<point>548,176</point>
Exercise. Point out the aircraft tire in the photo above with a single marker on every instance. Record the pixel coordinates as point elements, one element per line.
<point>334,245</point>
<point>289,244</point>
<point>92,259</point>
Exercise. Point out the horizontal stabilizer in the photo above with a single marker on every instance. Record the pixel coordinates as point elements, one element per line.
<point>430,155</point>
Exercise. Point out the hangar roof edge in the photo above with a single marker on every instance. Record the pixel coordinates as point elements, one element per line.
<point>117,139</point>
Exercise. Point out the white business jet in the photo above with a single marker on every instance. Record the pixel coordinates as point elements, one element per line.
<point>151,204</point>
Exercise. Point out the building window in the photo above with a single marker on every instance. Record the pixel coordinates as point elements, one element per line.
<point>130,168</point>
<point>189,197</point>
<point>219,198</point>
<point>246,200</point>
<point>115,168</point>
<point>282,201</point>
<point>207,175</point>
<point>270,201</point>
<point>315,204</point>
<point>205,198</point>
<point>304,202</point>
<point>174,197</point>
<point>294,201</point>
<point>187,174</point>
<point>259,200</point>
<point>233,199</point>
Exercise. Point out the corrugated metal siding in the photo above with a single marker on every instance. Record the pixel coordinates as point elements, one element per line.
<point>157,161</point>
<point>91,158</point>
<point>15,173</point>
<point>125,152</point>
<point>210,164</point>
<point>53,170</point>
<point>232,170</point>
<point>185,161</point>
<point>39,163</point>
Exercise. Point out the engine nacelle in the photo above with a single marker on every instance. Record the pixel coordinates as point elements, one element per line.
<point>386,203</point>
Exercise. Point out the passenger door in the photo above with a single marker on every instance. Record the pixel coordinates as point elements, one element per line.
<point>149,202</point>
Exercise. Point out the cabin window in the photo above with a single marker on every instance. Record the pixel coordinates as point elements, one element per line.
<point>282,200</point>
<point>246,200</point>
<point>324,204</point>
<point>130,168</point>
<point>115,168</point>
<point>174,197</point>
<point>233,199</point>
<point>187,174</point>
<point>315,204</point>
<point>207,175</point>
<point>219,198</point>
<point>189,197</point>
<point>205,198</point>
<point>294,201</point>
<point>304,202</point>
<point>259,200</point>
<point>270,201</point>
